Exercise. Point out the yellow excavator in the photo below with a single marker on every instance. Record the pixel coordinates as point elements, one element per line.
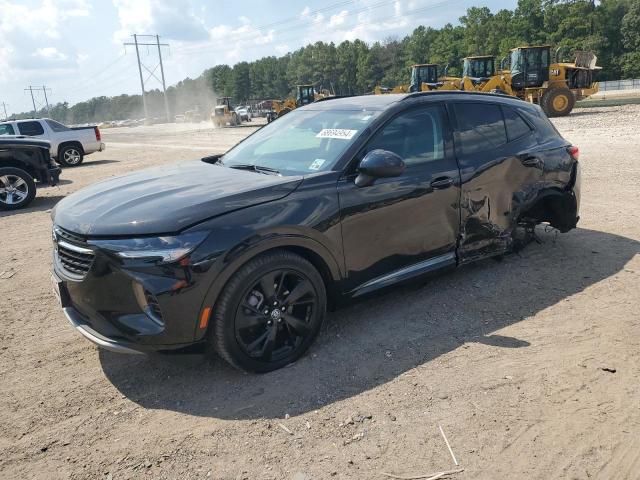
<point>305,94</point>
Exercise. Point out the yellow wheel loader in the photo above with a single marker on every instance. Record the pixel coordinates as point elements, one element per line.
<point>224,113</point>
<point>554,86</point>
<point>532,77</point>
<point>305,94</point>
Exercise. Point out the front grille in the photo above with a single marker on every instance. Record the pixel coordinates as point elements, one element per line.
<point>72,253</point>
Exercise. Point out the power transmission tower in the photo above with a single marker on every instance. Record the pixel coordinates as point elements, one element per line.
<point>33,99</point>
<point>4,107</point>
<point>152,72</point>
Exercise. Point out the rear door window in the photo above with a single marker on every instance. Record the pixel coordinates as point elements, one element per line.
<point>7,129</point>
<point>30,128</point>
<point>516,126</point>
<point>57,127</point>
<point>480,127</point>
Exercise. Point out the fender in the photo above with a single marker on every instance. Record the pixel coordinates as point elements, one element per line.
<point>253,246</point>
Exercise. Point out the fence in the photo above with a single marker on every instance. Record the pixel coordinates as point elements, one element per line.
<point>630,84</point>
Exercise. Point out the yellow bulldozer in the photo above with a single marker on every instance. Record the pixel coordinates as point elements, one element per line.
<point>305,94</point>
<point>224,113</point>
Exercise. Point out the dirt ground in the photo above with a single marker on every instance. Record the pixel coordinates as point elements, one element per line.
<point>507,357</point>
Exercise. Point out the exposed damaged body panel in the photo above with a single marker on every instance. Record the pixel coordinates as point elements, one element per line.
<point>521,176</point>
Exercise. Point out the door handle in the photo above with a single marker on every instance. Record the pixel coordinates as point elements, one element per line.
<point>531,161</point>
<point>442,182</point>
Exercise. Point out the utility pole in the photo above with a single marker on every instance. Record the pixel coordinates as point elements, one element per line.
<point>33,98</point>
<point>46,100</point>
<point>164,88</point>
<point>33,101</point>
<point>151,72</point>
<point>144,99</point>
<point>4,106</point>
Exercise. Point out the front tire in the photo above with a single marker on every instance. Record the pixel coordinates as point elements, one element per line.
<point>70,156</point>
<point>17,188</point>
<point>558,102</point>
<point>269,313</point>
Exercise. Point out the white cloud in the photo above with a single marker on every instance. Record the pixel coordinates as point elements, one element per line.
<point>23,28</point>
<point>338,19</point>
<point>171,19</point>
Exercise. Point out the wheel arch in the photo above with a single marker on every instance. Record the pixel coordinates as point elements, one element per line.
<point>311,250</point>
<point>13,163</point>
<point>70,143</point>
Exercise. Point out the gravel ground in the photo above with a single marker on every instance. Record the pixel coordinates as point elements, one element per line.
<point>507,357</point>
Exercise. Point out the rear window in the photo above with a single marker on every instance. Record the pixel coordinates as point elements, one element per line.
<point>7,129</point>
<point>480,127</point>
<point>516,126</point>
<point>30,128</point>
<point>57,127</point>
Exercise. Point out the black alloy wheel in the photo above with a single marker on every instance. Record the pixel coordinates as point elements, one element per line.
<point>269,313</point>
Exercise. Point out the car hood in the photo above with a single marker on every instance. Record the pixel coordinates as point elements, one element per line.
<point>166,199</point>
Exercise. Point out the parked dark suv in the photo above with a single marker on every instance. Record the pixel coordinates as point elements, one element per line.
<point>337,199</point>
<point>24,163</point>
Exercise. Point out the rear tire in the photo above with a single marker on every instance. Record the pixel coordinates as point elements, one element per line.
<point>17,188</point>
<point>70,156</point>
<point>269,313</point>
<point>558,102</point>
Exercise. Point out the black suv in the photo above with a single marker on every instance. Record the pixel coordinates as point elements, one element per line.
<point>23,162</point>
<point>337,199</point>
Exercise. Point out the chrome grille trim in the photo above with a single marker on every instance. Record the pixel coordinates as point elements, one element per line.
<point>71,253</point>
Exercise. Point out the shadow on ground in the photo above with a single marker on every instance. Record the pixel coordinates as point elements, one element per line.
<point>38,204</point>
<point>92,163</point>
<point>371,342</point>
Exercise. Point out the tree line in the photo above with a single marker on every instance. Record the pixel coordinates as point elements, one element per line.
<point>610,28</point>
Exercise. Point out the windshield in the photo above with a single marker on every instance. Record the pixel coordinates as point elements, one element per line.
<point>301,142</point>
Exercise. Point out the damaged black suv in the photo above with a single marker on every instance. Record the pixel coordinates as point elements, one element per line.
<point>337,199</point>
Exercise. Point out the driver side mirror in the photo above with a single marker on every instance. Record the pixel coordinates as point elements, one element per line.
<point>378,164</point>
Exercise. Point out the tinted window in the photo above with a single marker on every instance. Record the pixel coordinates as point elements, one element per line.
<point>416,136</point>
<point>303,141</point>
<point>516,126</point>
<point>480,127</point>
<point>57,127</point>
<point>30,128</point>
<point>7,129</point>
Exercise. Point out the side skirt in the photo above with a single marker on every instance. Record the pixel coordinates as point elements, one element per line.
<point>406,273</point>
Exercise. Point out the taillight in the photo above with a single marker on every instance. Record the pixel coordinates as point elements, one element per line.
<point>574,152</point>
<point>98,137</point>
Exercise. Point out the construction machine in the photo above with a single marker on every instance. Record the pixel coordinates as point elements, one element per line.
<point>224,113</point>
<point>554,86</point>
<point>305,94</point>
<point>532,77</point>
<point>424,77</point>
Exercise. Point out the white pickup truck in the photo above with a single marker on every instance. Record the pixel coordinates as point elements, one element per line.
<point>68,145</point>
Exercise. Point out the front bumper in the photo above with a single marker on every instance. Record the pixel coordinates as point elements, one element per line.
<point>77,321</point>
<point>103,305</point>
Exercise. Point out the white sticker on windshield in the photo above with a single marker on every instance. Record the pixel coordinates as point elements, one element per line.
<point>317,163</point>
<point>336,133</point>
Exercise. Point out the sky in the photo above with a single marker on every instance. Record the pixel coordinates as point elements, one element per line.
<point>75,47</point>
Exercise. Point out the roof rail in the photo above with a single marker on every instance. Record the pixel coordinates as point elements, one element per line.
<point>333,98</point>
<point>455,92</point>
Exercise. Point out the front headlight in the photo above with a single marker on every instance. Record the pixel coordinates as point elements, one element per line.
<point>164,249</point>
